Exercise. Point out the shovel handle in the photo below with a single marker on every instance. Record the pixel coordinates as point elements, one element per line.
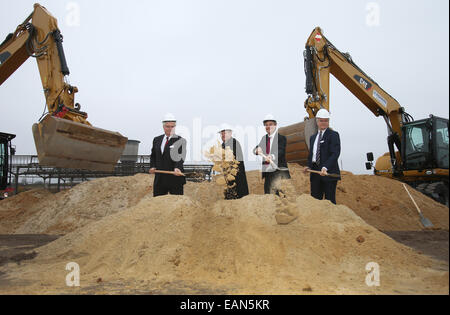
<point>283,169</point>
<point>169,173</point>
<point>270,160</point>
<point>410,196</point>
<point>317,172</point>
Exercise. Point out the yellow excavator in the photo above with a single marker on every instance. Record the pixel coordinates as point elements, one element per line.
<point>418,150</point>
<point>63,137</point>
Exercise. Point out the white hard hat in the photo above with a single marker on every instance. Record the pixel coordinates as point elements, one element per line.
<point>269,117</point>
<point>169,118</point>
<point>323,113</point>
<point>225,127</point>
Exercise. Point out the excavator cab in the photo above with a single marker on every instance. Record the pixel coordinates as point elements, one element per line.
<point>425,144</point>
<point>5,151</point>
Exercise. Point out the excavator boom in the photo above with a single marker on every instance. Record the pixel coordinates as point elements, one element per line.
<point>321,59</point>
<point>63,138</point>
<point>418,150</point>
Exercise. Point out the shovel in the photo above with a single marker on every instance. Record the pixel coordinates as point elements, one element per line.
<point>330,175</point>
<point>170,173</point>
<point>188,175</point>
<point>284,169</point>
<point>273,163</point>
<point>425,222</point>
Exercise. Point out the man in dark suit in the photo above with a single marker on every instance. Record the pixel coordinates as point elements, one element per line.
<point>240,184</point>
<point>273,147</point>
<point>325,148</point>
<point>168,154</point>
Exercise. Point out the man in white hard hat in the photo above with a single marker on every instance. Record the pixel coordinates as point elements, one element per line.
<point>273,147</point>
<point>239,190</point>
<point>168,154</point>
<point>325,148</point>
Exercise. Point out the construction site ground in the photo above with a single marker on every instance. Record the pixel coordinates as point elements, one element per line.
<point>127,242</point>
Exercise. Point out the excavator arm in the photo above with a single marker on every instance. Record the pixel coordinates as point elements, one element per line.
<point>39,37</point>
<point>321,59</point>
<point>64,138</point>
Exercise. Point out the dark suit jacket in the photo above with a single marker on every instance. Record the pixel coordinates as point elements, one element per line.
<point>277,148</point>
<point>330,150</point>
<point>173,157</point>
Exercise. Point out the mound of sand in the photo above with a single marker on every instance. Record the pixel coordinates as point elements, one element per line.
<point>40,212</point>
<point>15,210</point>
<point>381,202</point>
<point>237,246</point>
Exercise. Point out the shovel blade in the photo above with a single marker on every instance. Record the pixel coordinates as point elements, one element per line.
<point>426,223</point>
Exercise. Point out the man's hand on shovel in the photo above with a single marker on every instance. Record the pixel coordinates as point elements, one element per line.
<point>324,172</point>
<point>321,173</point>
<point>177,172</point>
<point>269,159</point>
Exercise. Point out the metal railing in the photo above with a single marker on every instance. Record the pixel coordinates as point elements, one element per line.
<point>26,171</point>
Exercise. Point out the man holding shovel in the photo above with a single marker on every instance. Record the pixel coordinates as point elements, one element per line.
<point>325,148</point>
<point>167,159</point>
<point>273,150</point>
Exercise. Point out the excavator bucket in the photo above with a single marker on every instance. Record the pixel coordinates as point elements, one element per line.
<point>66,144</point>
<point>298,136</point>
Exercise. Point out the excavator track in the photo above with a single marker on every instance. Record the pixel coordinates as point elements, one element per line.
<point>438,191</point>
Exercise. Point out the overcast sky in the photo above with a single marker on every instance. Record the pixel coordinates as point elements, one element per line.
<point>231,61</point>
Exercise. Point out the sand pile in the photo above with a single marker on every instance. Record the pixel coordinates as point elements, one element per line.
<point>381,202</point>
<point>40,212</point>
<point>236,246</point>
<point>15,210</point>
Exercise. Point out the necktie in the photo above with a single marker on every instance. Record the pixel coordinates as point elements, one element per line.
<point>167,143</point>
<point>267,148</point>
<point>318,149</point>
